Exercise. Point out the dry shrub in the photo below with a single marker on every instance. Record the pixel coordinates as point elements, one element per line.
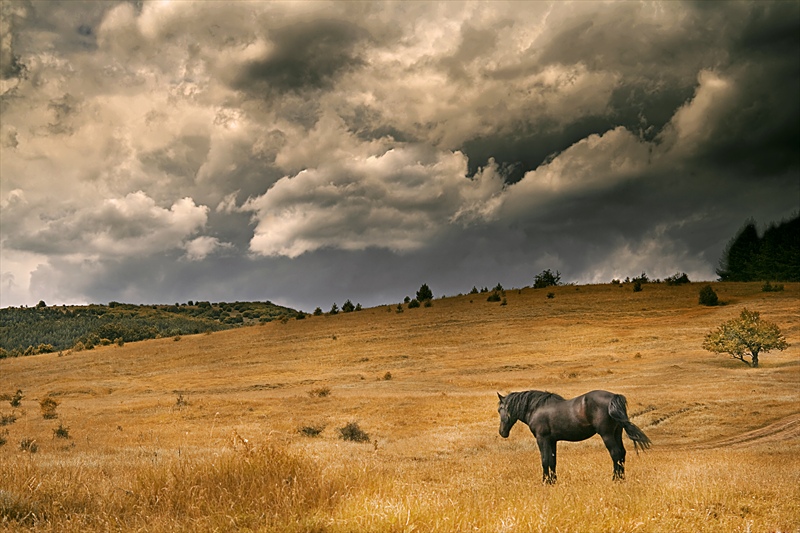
<point>353,432</point>
<point>48,406</point>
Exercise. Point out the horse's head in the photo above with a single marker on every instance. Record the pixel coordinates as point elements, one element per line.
<point>506,420</point>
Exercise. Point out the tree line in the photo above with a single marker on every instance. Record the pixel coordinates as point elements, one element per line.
<point>43,329</point>
<point>773,256</point>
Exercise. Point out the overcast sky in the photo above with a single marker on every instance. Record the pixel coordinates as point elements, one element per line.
<point>311,152</point>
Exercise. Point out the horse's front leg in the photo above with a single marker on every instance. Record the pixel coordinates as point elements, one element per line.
<point>547,449</point>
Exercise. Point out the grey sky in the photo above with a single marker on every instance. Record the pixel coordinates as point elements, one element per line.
<point>310,152</point>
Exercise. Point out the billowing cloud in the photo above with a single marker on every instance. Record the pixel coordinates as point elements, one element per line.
<point>397,200</point>
<point>397,142</point>
<point>120,227</point>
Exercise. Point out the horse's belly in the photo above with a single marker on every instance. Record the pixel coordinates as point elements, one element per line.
<point>577,434</point>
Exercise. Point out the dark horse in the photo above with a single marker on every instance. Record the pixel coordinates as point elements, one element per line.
<point>552,418</point>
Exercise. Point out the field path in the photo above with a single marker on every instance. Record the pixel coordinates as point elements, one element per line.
<point>787,428</point>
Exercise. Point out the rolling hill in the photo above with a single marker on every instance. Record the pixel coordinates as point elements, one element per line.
<point>242,429</point>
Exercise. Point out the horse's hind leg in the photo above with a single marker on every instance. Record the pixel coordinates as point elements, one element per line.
<point>547,449</point>
<point>616,449</point>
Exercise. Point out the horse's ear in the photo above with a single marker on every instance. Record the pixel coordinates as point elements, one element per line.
<point>500,396</point>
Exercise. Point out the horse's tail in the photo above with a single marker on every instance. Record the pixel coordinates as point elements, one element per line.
<point>618,410</point>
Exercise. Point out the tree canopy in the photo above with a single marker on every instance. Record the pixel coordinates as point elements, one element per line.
<point>745,336</point>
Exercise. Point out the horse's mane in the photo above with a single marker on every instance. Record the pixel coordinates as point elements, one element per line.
<point>521,403</point>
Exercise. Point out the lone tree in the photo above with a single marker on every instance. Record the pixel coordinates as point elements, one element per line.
<point>547,279</point>
<point>746,335</point>
<point>424,293</point>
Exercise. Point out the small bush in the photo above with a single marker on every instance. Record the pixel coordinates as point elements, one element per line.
<point>16,400</point>
<point>677,279</point>
<point>3,439</point>
<point>61,432</point>
<point>48,406</point>
<point>637,285</point>
<point>494,297</point>
<point>352,432</point>
<point>387,376</point>
<point>551,295</point>
<point>7,420</point>
<point>320,392</point>
<point>708,296</point>
<point>769,287</point>
<point>28,445</point>
<point>311,431</point>
<point>413,304</point>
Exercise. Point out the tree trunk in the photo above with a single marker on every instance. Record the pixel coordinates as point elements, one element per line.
<point>755,360</point>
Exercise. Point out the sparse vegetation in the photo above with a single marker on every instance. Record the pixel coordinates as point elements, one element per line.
<point>746,336</point>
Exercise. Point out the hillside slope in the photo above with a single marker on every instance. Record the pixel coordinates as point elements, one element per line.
<point>422,384</point>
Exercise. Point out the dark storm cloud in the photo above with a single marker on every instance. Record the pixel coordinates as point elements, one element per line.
<point>308,55</point>
<point>311,152</point>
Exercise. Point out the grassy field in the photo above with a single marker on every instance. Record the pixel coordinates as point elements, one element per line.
<point>214,432</point>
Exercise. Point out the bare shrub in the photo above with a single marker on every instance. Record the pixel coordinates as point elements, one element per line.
<point>320,392</point>
<point>311,431</point>
<point>28,445</point>
<point>48,406</point>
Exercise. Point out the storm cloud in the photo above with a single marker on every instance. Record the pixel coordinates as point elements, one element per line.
<point>312,152</point>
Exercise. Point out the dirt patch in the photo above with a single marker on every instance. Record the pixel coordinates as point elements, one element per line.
<point>785,429</point>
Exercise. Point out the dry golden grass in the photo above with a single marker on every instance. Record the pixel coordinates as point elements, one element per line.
<point>203,433</point>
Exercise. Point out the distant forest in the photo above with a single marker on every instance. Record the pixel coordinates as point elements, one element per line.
<point>774,256</point>
<point>43,329</point>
